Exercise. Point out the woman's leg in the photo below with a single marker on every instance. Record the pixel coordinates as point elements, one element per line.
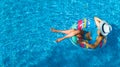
<point>62,31</point>
<point>69,35</point>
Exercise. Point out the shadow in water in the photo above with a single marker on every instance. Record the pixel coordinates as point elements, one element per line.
<point>112,39</point>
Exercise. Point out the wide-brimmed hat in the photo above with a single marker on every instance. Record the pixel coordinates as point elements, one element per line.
<point>105,28</point>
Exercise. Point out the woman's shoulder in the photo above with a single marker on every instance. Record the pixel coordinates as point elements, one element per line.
<point>99,39</point>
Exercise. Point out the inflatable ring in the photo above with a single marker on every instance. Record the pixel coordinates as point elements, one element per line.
<point>81,25</point>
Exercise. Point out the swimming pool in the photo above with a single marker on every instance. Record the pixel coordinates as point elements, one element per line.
<point>26,39</point>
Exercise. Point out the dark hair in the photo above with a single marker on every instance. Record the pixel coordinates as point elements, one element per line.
<point>102,35</point>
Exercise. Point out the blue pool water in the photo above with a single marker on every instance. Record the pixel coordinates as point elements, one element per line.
<point>26,39</point>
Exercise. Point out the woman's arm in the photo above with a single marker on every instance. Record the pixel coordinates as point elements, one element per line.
<point>105,40</point>
<point>97,21</point>
<point>99,39</point>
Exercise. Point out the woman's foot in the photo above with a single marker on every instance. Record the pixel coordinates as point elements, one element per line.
<point>53,30</point>
<point>60,39</point>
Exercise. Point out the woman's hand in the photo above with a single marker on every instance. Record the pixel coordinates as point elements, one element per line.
<point>83,42</point>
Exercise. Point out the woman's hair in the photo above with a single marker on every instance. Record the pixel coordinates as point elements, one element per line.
<point>102,35</point>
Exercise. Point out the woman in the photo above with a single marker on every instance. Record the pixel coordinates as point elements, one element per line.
<point>96,35</point>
